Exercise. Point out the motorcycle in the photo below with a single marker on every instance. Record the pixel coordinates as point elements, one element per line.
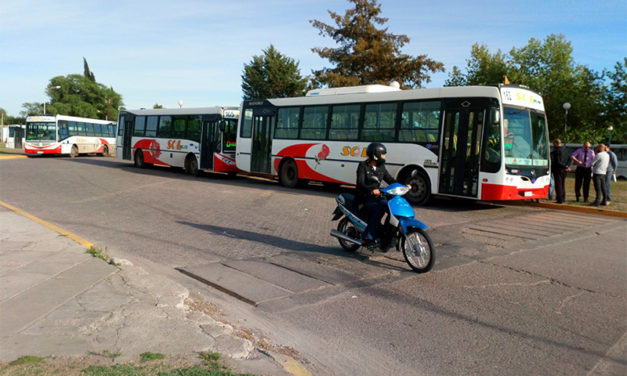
<point>400,230</point>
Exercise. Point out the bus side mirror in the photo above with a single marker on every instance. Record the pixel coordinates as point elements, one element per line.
<point>222,126</point>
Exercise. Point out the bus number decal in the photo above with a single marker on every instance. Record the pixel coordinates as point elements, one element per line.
<point>176,145</point>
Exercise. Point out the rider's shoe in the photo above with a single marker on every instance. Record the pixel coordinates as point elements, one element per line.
<point>371,244</point>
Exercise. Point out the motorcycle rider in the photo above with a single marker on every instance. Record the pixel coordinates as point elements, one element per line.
<point>370,174</point>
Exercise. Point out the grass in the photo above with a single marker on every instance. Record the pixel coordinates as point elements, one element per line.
<point>150,364</point>
<point>618,191</point>
<point>28,359</point>
<point>148,356</point>
<point>98,253</point>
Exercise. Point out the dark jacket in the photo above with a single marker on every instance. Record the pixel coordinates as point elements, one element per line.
<point>369,179</point>
<point>557,161</point>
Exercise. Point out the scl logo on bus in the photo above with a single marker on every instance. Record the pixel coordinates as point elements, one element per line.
<point>353,151</point>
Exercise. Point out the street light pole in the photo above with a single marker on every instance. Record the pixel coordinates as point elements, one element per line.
<point>51,87</point>
<point>566,107</point>
<point>609,141</point>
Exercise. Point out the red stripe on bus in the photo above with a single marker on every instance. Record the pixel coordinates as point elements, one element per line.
<point>495,192</point>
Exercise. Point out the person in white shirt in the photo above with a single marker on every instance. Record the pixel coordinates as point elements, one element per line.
<point>599,169</point>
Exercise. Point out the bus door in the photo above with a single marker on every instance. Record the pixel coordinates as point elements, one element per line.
<point>18,136</point>
<point>209,141</point>
<point>460,151</point>
<point>129,127</point>
<point>263,130</point>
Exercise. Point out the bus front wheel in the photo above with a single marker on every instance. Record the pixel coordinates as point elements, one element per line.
<point>74,151</point>
<point>420,192</point>
<point>288,174</point>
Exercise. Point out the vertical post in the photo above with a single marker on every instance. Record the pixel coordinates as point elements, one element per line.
<point>566,107</point>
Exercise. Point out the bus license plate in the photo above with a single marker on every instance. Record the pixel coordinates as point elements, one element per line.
<point>527,193</point>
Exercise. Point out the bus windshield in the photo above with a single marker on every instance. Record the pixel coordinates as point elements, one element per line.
<point>526,139</point>
<point>46,131</point>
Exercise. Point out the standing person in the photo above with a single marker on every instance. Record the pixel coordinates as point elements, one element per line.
<point>582,158</point>
<point>558,170</point>
<point>370,174</point>
<point>611,171</point>
<point>599,169</point>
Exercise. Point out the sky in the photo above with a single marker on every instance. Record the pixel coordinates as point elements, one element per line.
<point>162,52</point>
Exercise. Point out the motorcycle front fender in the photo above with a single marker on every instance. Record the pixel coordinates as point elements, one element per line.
<point>407,223</point>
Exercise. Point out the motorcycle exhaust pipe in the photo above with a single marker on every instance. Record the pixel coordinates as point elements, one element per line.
<point>343,236</point>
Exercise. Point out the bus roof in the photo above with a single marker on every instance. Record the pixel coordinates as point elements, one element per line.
<point>40,118</point>
<point>444,92</point>
<point>180,111</point>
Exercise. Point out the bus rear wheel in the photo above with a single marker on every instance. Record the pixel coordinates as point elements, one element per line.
<point>74,151</point>
<point>420,192</point>
<point>139,158</point>
<point>105,151</point>
<point>288,174</point>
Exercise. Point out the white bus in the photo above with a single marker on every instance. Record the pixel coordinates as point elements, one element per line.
<point>479,142</point>
<point>191,138</point>
<point>68,135</point>
<point>13,136</point>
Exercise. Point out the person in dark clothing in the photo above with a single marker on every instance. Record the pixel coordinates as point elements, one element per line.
<point>558,169</point>
<point>370,174</point>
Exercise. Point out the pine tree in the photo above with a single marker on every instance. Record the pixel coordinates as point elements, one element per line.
<point>367,55</point>
<point>87,73</point>
<point>272,75</point>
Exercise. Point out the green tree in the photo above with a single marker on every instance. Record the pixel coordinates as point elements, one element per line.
<point>272,75</point>
<point>614,101</point>
<point>157,105</point>
<point>80,96</point>
<point>86,72</point>
<point>548,68</point>
<point>483,68</point>
<point>32,109</point>
<point>367,55</point>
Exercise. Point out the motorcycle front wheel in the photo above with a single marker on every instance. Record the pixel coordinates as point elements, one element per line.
<point>418,250</point>
<point>347,228</point>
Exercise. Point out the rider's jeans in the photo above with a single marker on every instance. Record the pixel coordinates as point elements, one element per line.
<point>376,209</point>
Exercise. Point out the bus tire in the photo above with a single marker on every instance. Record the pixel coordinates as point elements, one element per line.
<point>420,193</point>
<point>139,158</point>
<point>105,151</point>
<point>288,173</point>
<point>191,165</point>
<point>74,151</point>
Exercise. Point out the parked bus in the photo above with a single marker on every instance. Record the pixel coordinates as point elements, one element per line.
<point>13,136</point>
<point>68,135</point>
<point>479,142</point>
<point>191,138</point>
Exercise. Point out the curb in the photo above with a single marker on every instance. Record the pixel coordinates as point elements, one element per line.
<point>579,209</point>
<point>50,226</point>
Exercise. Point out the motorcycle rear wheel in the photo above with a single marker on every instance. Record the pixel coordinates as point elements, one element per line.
<point>347,228</point>
<point>418,250</point>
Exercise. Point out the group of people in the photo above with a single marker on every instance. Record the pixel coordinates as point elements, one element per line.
<point>598,165</point>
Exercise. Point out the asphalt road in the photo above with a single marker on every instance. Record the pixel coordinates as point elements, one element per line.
<point>515,290</point>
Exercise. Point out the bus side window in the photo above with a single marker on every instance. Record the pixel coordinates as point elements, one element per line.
<point>247,124</point>
<point>491,153</point>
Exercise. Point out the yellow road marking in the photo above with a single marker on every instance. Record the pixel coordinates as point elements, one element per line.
<point>52,227</point>
<point>12,156</point>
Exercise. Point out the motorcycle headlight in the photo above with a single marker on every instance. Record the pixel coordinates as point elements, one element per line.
<point>398,191</point>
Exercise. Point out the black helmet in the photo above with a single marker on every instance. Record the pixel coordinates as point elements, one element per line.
<point>375,150</point>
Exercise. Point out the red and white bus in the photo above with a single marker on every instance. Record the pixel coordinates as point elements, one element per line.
<point>478,142</point>
<point>191,138</point>
<point>68,135</point>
